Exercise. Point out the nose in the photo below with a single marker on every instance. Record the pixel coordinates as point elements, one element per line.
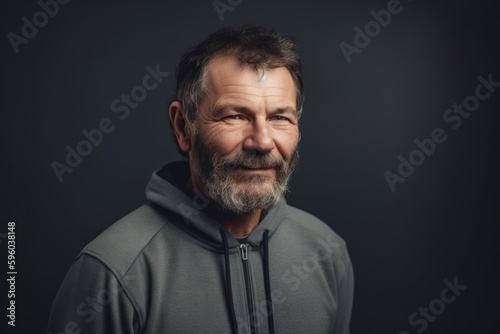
<point>259,137</point>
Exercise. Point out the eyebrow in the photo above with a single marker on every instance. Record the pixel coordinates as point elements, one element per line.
<point>224,108</point>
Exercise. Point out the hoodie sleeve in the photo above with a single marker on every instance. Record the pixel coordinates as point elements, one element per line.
<point>92,300</point>
<point>346,294</point>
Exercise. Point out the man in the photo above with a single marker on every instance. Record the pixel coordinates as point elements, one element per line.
<point>217,249</point>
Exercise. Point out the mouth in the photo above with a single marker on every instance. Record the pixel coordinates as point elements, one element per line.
<point>255,169</point>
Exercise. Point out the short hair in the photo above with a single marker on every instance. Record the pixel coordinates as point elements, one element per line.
<point>256,46</point>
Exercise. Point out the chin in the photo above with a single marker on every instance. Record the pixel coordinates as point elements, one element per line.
<point>255,184</point>
<point>257,190</point>
<point>250,180</point>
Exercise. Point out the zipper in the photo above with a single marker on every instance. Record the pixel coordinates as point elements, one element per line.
<point>244,258</point>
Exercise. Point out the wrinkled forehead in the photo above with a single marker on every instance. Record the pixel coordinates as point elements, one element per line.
<point>226,71</point>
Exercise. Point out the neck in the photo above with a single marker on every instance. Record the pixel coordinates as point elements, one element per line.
<point>238,225</point>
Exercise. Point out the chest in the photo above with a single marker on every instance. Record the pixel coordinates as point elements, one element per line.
<point>190,294</point>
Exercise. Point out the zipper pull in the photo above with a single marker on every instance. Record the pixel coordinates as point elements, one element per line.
<point>244,252</point>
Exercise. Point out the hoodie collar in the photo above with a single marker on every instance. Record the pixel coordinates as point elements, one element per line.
<point>167,188</point>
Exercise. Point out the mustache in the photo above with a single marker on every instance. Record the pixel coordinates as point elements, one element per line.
<point>252,161</point>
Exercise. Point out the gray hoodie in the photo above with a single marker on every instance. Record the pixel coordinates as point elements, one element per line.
<point>169,267</point>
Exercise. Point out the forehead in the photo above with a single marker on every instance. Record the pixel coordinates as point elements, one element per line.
<point>226,77</point>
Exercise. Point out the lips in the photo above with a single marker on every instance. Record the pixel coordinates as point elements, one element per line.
<point>256,168</point>
<point>253,164</point>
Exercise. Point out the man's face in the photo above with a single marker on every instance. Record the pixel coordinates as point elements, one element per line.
<point>245,144</point>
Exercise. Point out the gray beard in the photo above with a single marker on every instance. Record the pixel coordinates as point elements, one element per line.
<point>257,191</point>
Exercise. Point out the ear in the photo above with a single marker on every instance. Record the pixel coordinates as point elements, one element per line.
<point>179,124</point>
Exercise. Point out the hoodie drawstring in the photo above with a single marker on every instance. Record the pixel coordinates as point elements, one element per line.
<point>270,320</point>
<point>229,288</point>
<point>267,284</point>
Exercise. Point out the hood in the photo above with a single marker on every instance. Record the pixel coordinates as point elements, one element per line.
<point>168,189</point>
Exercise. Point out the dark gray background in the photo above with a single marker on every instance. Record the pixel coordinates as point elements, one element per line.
<point>358,118</point>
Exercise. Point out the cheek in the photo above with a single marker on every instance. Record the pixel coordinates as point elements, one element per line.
<point>286,142</point>
<point>220,140</point>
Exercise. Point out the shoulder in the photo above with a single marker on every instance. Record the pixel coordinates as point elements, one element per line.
<point>309,225</point>
<point>119,245</point>
<point>308,233</point>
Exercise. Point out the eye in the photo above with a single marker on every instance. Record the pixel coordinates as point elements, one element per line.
<point>280,118</point>
<point>233,117</point>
